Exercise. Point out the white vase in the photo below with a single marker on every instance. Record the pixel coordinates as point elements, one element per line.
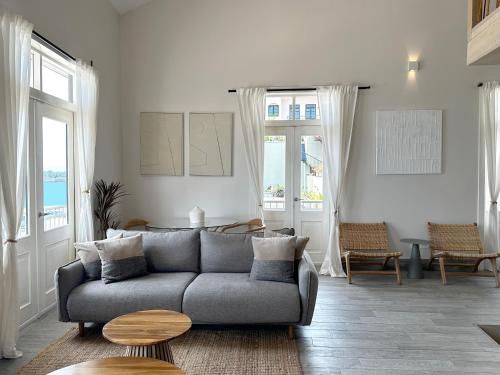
<point>197,215</point>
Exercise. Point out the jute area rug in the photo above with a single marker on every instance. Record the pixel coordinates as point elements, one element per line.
<point>207,351</point>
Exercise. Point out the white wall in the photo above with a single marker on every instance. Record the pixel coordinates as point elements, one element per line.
<point>184,55</point>
<point>88,30</point>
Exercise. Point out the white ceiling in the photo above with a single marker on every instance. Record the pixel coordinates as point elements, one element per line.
<point>123,6</point>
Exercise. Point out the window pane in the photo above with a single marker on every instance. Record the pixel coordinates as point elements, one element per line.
<point>55,173</point>
<point>311,173</point>
<point>310,105</point>
<point>277,107</point>
<point>274,172</point>
<point>296,114</point>
<point>54,81</point>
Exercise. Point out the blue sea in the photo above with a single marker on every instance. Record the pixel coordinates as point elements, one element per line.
<point>55,193</point>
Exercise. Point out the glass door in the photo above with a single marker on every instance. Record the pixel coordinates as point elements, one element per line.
<point>293,184</point>
<point>55,195</point>
<point>310,214</point>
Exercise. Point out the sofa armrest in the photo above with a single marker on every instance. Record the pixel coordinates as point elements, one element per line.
<point>308,288</point>
<point>66,279</point>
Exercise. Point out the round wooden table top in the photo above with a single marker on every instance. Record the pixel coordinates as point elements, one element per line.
<point>147,327</point>
<point>120,366</point>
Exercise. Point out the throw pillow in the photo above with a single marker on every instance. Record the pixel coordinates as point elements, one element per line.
<point>300,245</point>
<point>122,259</point>
<point>87,252</point>
<point>273,259</point>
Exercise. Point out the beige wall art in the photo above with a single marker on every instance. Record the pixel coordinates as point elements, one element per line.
<point>162,143</point>
<point>210,144</point>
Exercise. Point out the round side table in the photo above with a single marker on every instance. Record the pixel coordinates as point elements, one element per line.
<point>120,365</point>
<point>415,267</point>
<point>146,333</point>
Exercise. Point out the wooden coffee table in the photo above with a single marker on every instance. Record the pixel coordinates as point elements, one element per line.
<point>146,333</point>
<point>119,366</point>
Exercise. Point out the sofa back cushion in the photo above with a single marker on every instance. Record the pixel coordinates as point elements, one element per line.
<point>170,251</point>
<point>226,252</point>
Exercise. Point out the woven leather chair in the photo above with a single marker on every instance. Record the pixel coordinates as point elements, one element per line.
<point>364,242</point>
<point>460,243</point>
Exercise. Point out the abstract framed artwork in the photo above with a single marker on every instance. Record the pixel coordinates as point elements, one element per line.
<point>162,143</point>
<point>409,142</point>
<point>210,144</point>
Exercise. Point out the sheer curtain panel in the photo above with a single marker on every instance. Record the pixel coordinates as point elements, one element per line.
<point>252,102</point>
<point>87,92</point>
<point>337,105</point>
<point>489,120</point>
<point>15,50</point>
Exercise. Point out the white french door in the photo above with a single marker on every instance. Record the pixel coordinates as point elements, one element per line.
<point>55,195</point>
<point>293,184</point>
<point>48,226</point>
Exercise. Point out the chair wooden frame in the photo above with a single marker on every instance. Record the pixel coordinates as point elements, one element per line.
<point>250,226</point>
<point>460,243</point>
<point>367,241</point>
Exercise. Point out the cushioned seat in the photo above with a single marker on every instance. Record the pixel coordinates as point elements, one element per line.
<point>232,298</point>
<point>95,301</point>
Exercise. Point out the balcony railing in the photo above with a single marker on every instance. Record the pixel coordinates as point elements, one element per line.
<point>55,217</point>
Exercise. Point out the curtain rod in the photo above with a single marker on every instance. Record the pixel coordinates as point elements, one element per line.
<point>56,47</point>
<point>299,89</point>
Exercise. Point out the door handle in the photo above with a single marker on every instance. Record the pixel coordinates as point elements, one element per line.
<point>297,199</point>
<point>42,214</point>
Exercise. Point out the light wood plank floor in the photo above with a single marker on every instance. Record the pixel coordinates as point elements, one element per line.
<point>373,327</point>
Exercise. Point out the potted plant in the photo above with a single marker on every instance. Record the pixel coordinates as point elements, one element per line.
<point>107,196</point>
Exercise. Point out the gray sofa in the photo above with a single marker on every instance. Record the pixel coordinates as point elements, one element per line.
<point>202,274</point>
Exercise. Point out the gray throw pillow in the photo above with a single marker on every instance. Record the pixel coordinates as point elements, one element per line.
<point>122,259</point>
<point>273,259</point>
<point>87,252</point>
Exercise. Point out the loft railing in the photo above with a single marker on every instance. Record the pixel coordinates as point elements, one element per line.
<point>482,9</point>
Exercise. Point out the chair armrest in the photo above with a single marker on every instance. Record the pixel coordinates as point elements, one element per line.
<point>66,279</point>
<point>308,288</point>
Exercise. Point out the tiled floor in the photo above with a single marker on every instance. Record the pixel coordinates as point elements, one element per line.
<point>374,327</point>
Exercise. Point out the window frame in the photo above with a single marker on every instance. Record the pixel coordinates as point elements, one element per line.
<point>275,113</point>
<point>59,64</point>
<point>292,122</point>
<point>309,108</point>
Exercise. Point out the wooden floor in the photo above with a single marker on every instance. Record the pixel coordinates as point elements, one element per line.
<point>374,327</point>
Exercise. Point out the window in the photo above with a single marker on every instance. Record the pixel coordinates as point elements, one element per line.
<point>296,113</point>
<point>310,111</point>
<point>292,108</point>
<point>51,73</point>
<point>273,110</point>
<point>274,172</point>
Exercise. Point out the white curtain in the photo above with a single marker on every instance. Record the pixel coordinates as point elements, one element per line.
<point>337,105</point>
<point>15,49</point>
<point>489,120</point>
<point>252,103</point>
<point>87,90</point>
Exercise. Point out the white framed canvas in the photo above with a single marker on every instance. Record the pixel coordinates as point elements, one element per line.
<point>409,142</point>
<point>210,144</point>
<point>162,143</point>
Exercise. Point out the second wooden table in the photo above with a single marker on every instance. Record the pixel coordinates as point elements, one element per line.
<point>146,333</point>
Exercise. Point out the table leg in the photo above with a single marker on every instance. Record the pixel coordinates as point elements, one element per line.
<point>161,351</point>
<point>415,267</point>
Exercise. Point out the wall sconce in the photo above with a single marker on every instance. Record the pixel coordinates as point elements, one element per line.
<point>413,65</point>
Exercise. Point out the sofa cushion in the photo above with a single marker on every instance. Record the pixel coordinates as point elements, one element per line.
<point>170,251</point>
<point>95,301</point>
<point>222,252</point>
<point>233,298</point>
